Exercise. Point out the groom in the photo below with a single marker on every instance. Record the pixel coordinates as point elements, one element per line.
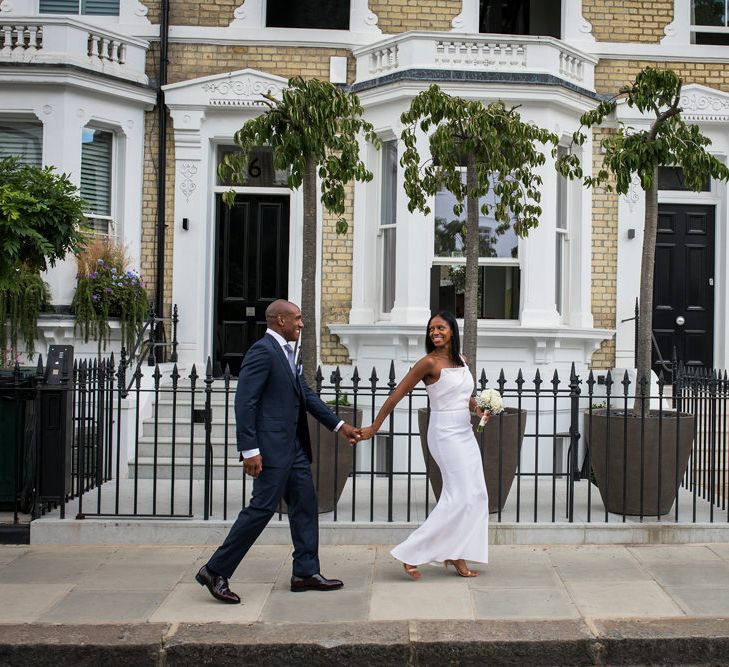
<point>271,403</point>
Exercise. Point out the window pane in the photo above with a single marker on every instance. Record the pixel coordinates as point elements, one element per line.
<point>388,216</point>
<point>260,172</point>
<point>521,17</point>
<point>559,273</point>
<point>22,139</point>
<point>96,167</point>
<point>389,237</point>
<point>671,178</point>
<point>100,7</point>
<point>58,6</point>
<point>708,12</point>
<point>495,240</point>
<point>498,291</point>
<point>324,14</point>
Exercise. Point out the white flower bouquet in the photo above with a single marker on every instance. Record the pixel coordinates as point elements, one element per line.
<point>490,401</point>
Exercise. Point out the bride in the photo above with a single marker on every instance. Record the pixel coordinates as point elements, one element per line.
<point>457,528</point>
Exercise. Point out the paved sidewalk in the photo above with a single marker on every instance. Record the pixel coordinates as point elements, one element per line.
<point>540,605</point>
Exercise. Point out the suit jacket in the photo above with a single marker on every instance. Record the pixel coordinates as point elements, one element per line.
<point>271,405</point>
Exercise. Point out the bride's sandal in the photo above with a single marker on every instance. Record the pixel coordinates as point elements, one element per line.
<point>460,567</point>
<point>412,571</point>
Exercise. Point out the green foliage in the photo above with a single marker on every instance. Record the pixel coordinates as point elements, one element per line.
<point>107,288</point>
<point>669,141</point>
<point>313,119</point>
<point>504,147</point>
<point>20,305</point>
<point>41,218</point>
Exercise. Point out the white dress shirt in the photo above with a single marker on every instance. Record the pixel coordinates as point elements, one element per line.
<point>248,453</point>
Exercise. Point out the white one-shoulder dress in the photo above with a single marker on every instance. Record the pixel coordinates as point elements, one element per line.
<point>458,525</point>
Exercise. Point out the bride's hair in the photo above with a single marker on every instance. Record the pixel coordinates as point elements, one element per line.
<point>450,319</point>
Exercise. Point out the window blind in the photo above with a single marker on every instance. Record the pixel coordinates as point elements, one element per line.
<point>96,171</point>
<point>96,7</point>
<point>58,6</point>
<point>23,139</point>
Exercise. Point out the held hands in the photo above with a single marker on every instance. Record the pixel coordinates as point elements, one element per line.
<point>367,432</point>
<point>351,433</point>
<point>254,465</point>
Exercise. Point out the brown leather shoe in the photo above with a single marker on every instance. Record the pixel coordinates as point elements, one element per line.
<point>217,585</point>
<point>315,583</point>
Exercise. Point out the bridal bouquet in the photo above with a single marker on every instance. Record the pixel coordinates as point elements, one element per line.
<point>490,401</point>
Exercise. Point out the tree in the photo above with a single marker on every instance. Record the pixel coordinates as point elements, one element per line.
<point>629,152</point>
<point>313,131</point>
<point>500,153</point>
<point>41,219</point>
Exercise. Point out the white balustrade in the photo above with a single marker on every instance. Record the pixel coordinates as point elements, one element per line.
<point>438,51</point>
<point>61,40</point>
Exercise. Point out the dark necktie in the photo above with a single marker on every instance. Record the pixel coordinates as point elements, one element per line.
<point>290,356</point>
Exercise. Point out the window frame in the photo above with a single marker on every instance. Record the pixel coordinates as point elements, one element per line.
<point>13,119</point>
<point>111,218</point>
<point>383,230</point>
<point>698,28</point>
<point>562,243</point>
<point>513,262</point>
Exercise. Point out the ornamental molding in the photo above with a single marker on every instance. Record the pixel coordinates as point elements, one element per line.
<point>241,91</point>
<point>633,195</point>
<point>244,88</point>
<point>700,103</point>
<point>188,175</point>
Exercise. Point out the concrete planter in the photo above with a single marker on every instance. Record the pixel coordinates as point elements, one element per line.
<point>500,444</point>
<point>640,475</point>
<point>332,460</point>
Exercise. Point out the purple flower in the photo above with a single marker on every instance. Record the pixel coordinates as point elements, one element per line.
<point>113,270</point>
<point>95,297</point>
<point>99,261</point>
<point>93,275</point>
<point>108,289</point>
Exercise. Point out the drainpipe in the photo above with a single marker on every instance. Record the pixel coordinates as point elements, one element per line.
<point>161,162</point>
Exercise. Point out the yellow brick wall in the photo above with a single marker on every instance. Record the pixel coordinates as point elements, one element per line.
<point>336,279</point>
<point>195,12</point>
<point>188,61</point>
<point>628,20</point>
<point>396,16</point>
<point>149,210</point>
<point>611,74</point>
<point>604,260</point>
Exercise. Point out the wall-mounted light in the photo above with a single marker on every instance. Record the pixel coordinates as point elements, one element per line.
<point>631,233</point>
<point>185,223</point>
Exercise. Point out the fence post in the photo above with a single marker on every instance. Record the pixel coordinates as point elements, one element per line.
<point>208,434</point>
<point>574,473</point>
<point>175,320</point>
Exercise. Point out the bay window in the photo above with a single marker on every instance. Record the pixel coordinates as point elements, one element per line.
<point>498,271</point>
<point>89,7</point>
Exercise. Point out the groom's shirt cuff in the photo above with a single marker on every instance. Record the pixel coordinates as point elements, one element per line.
<point>248,453</point>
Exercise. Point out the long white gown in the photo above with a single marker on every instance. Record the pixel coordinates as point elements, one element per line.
<point>458,525</point>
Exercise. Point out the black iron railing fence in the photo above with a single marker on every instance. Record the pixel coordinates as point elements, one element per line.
<point>162,444</point>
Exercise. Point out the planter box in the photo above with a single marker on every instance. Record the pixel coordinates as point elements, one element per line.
<point>637,477</point>
<point>500,444</point>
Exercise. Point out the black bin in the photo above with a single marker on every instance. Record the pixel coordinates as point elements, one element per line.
<point>55,437</point>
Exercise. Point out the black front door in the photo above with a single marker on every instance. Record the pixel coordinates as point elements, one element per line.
<point>252,271</point>
<point>683,290</point>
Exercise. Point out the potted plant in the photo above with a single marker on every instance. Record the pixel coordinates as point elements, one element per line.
<point>107,288</point>
<point>500,445</point>
<point>631,450</point>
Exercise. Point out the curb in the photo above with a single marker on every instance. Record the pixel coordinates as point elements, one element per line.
<point>675,641</point>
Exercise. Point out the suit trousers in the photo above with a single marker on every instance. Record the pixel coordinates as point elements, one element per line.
<point>295,485</point>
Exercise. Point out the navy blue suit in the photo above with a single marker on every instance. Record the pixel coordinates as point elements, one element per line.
<point>270,413</point>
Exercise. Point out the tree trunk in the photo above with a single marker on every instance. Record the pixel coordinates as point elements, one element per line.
<point>308,274</point>
<point>470,297</point>
<point>645,309</point>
